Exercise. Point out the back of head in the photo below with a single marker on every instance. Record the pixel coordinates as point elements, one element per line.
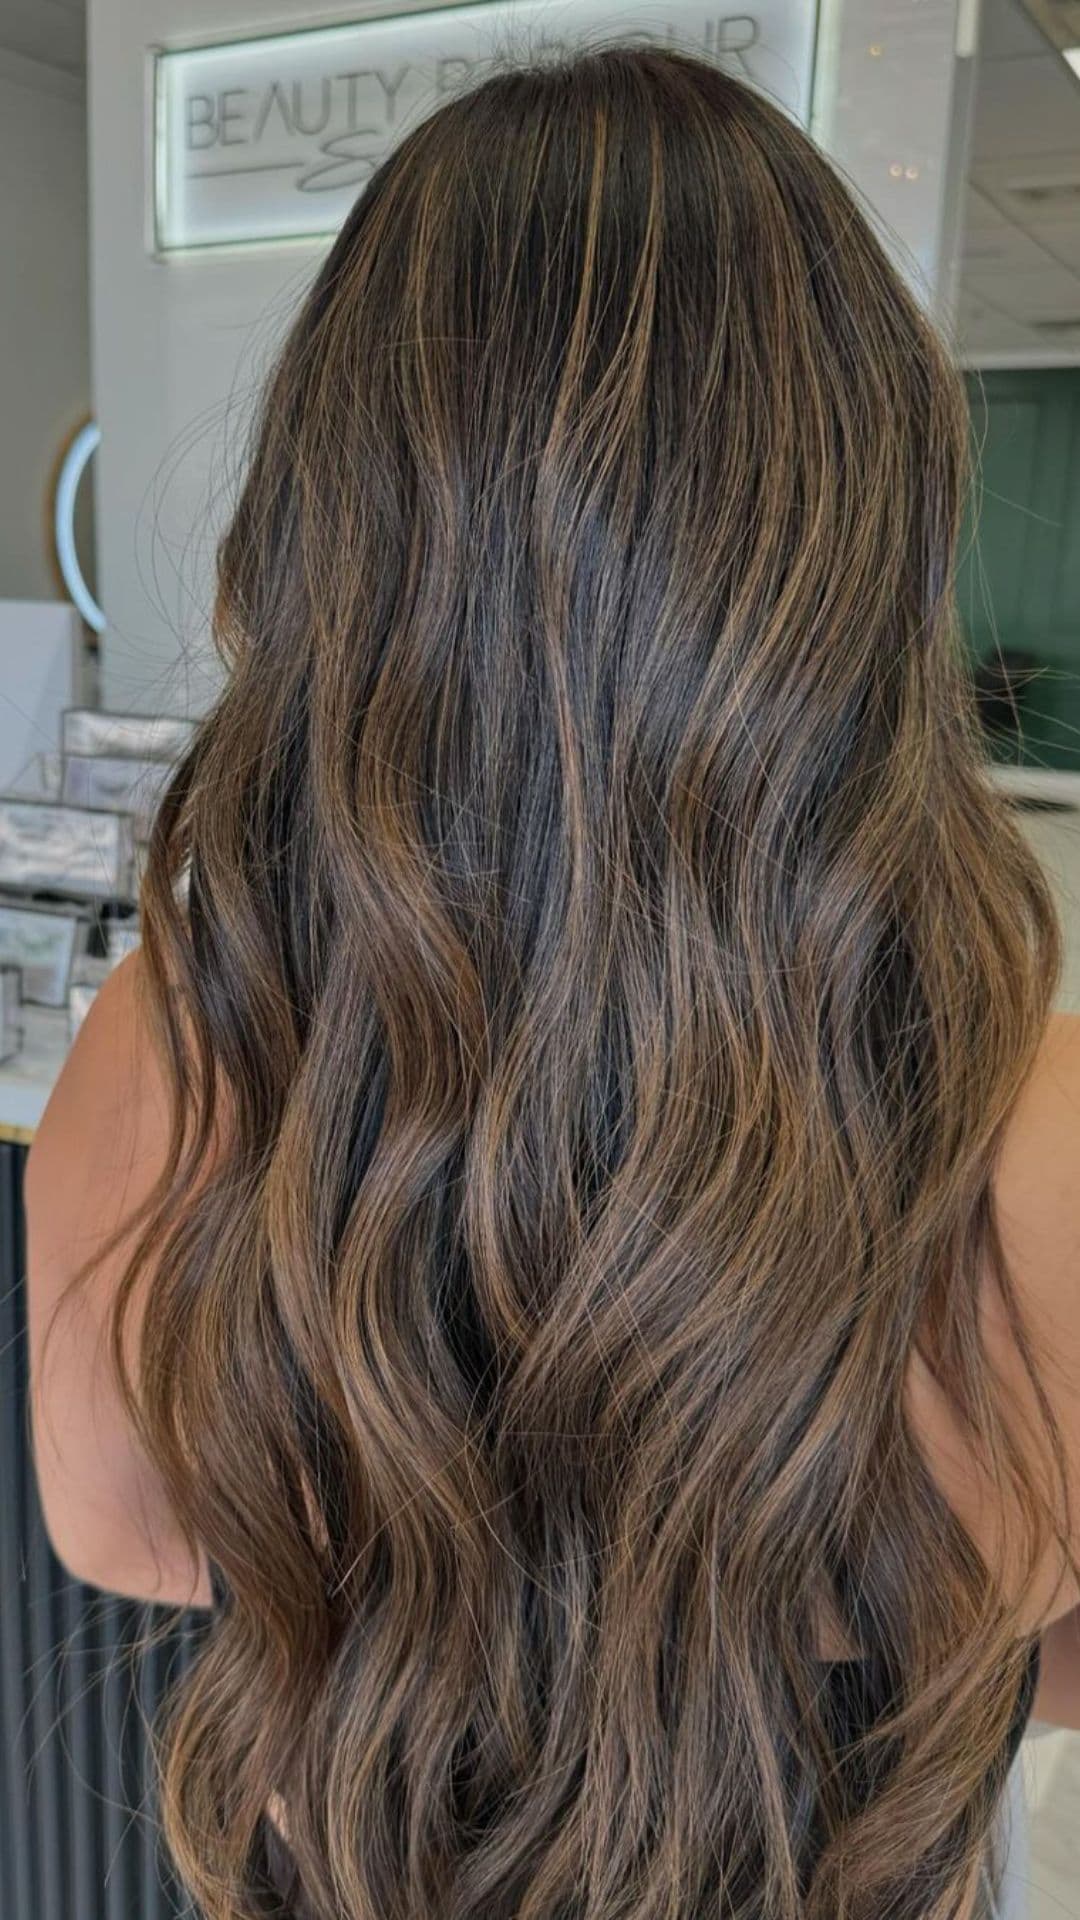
<point>616,972</point>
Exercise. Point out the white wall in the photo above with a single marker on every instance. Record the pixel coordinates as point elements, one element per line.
<point>176,348</point>
<point>892,105</point>
<point>44,329</point>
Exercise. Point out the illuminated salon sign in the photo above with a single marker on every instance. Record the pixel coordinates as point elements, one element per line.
<point>272,138</point>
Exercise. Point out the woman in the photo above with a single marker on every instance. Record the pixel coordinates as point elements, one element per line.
<point>580,1183</point>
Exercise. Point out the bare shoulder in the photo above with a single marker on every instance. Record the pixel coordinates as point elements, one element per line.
<point>1048,1110</point>
<point>1036,1193</point>
<point>102,1138</point>
<point>1037,1205</point>
<point>1037,1185</point>
<point>95,1162</point>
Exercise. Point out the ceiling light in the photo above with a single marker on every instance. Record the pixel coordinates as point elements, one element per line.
<point>1072,55</point>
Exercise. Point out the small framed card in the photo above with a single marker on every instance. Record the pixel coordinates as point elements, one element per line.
<point>11,1030</point>
<point>59,849</point>
<point>42,943</point>
<point>80,1000</point>
<point>139,736</point>
<point>117,782</point>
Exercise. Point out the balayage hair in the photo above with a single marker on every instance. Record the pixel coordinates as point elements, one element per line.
<point>615,971</point>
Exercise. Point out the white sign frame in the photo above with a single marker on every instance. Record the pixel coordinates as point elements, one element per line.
<point>318,106</point>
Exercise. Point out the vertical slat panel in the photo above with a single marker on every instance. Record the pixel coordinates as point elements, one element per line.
<point>79,1703</point>
<point>78,1823</point>
<point>136,1759</point>
<point>49,1782</point>
<point>48,1774</point>
<point>120,1888</point>
<point>151,1687</point>
<point>15,1814</point>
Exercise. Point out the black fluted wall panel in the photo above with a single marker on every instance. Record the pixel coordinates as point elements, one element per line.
<point>80,1676</point>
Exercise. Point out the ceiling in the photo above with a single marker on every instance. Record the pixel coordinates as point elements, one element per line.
<point>52,31</point>
<point>1020,264</point>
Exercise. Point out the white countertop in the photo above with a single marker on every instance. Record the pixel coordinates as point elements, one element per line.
<point>27,1081</point>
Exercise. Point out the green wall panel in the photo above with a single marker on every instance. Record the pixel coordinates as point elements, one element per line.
<point>1020,573</point>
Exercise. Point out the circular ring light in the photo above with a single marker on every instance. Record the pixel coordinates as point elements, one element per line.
<point>67,486</point>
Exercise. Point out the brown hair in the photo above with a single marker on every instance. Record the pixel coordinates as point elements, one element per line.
<point>617,971</point>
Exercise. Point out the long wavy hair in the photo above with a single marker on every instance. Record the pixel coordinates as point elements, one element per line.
<point>595,972</point>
